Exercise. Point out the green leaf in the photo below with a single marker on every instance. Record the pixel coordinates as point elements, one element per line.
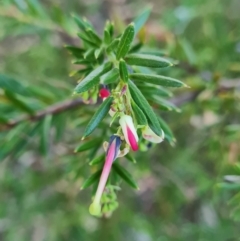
<point>154,52</point>
<point>98,52</point>
<point>135,47</point>
<point>98,116</point>
<point>140,117</point>
<point>12,85</point>
<point>141,101</point>
<point>75,51</point>
<point>36,8</point>
<point>189,51</point>
<point>123,71</point>
<point>113,45</point>
<point>229,186</point>
<point>125,175</point>
<point>157,80</point>
<point>88,145</point>
<point>110,77</point>
<point>167,131</point>
<point>164,103</point>
<point>154,90</point>
<point>18,103</point>
<point>82,72</point>
<point>130,158</point>
<point>147,61</point>
<point>125,41</point>
<point>81,61</point>
<point>93,78</point>
<point>89,54</point>
<point>93,36</point>
<point>107,38</point>
<point>92,179</point>
<point>110,28</point>
<point>97,160</point>
<point>83,24</point>
<point>141,19</point>
<point>86,40</point>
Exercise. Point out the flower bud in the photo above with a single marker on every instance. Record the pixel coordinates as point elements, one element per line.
<point>129,131</point>
<point>149,135</point>
<point>104,93</point>
<point>111,155</point>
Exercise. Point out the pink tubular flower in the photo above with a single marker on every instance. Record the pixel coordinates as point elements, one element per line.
<point>149,135</point>
<point>129,131</point>
<point>111,155</point>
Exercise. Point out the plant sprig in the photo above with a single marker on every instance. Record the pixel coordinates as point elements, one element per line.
<point>108,69</point>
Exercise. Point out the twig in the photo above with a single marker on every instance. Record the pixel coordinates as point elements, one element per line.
<point>71,104</point>
<point>53,110</point>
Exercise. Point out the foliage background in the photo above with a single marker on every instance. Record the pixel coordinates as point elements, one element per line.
<point>179,198</point>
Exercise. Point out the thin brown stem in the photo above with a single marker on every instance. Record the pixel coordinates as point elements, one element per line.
<point>53,110</point>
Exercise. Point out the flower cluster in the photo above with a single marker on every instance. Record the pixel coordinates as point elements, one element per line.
<point>126,136</point>
<point>116,72</point>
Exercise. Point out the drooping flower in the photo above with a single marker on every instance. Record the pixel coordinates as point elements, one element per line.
<point>129,131</point>
<point>111,155</point>
<point>149,135</point>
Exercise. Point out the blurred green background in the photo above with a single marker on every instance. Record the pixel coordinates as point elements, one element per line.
<point>180,197</point>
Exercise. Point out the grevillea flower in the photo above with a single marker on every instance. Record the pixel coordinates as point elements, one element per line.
<point>129,131</point>
<point>111,155</point>
<point>104,93</point>
<point>149,135</point>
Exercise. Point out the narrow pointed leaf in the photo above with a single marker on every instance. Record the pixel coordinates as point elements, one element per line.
<point>110,77</point>
<point>89,54</point>
<point>92,179</point>
<point>157,80</point>
<point>123,71</point>
<point>98,116</point>
<point>93,36</point>
<point>110,28</point>
<point>86,40</point>
<point>107,38</point>
<point>93,78</point>
<point>18,103</point>
<point>113,45</point>
<point>125,175</point>
<point>98,52</point>
<point>125,41</point>
<point>82,62</point>
<point>147,61</point>
<point>164,103</point>
<point>10,84</point>
<point>167,131</point>
<point>130,158</point>
<point>136,47</point>
<point>229,186</point>
<point>142,103</point>
<point>75,51</point>
<point>141,19</point>
<point>83,24</point>
<point>97,160</point>
<point>155,52</point>
<point>155,90</point>
<point>140,116</point>
<point>87,145</point>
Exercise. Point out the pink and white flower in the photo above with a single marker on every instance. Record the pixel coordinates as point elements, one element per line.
<point>111,155</point>
<point>149,135</point>
<point>129,131</point>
